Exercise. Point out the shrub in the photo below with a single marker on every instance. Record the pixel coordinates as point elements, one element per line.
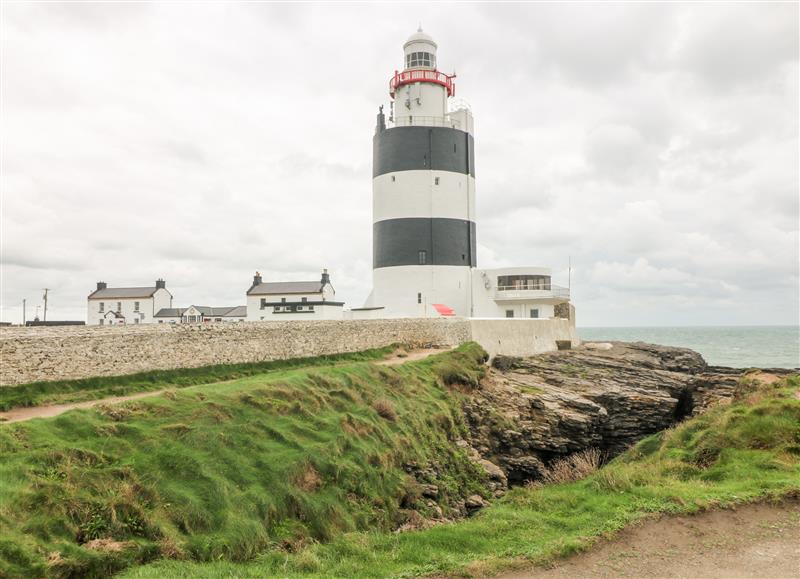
<point>385,409</point>
<point>576,466</point>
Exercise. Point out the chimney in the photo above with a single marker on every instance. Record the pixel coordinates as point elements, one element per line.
<point>380,126</point>
<point>257,279</point>
<point>160,283</point>
<point>101,285</point>
<point>326,279</point>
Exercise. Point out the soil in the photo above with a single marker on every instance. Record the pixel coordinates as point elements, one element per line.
<point>761,540</point>
<point>30,412</point>
<point>402,356</point>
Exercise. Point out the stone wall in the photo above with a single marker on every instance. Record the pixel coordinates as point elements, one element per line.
<point>32,354</point>
<point>55,353</point>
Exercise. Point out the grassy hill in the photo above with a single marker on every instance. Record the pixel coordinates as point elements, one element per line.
<point>276,460</point>
<point>748,451</point>
<point>307,470</point>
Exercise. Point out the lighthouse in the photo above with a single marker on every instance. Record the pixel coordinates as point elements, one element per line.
<point>423,192</point>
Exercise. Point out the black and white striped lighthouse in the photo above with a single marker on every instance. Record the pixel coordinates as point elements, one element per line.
<point>423,192</point>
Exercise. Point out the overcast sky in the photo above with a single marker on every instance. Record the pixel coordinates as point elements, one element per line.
<point>657,145</point>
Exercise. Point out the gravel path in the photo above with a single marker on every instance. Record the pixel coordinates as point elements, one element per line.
<point>752,541</point>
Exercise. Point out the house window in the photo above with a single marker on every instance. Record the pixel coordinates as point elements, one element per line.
<point>304,300</point>
<point>160,321</point>
<point>119,306</point>
<point>423,257</point>
<point>102,307</point>
<point>311,308</point>
<point>419,298</point>
<point>283,300</point>
<point>509,313</point>
<point>436,180</point>
<point>135,320</point>
<point>263,303</point>
<point>277,309</point>
<point>135,306</point>
<point>535,313</point>
<point>102,321</point>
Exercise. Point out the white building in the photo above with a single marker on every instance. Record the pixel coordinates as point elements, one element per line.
<point>293,300</point>
<point>424,223</point>
<point>126,305</point>
<point>201,314</point>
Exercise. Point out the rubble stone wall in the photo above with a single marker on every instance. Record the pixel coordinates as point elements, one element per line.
<point>69,352</point>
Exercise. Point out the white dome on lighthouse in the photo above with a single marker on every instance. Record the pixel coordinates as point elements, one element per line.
<point>420,50</point>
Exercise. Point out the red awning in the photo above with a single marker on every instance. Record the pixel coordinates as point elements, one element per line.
<point>444,310</point>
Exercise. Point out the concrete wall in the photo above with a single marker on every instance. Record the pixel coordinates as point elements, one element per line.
<point>522,337</point>
<point>53,353</point>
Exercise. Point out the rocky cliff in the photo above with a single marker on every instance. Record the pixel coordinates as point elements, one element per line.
<point>527,412</point>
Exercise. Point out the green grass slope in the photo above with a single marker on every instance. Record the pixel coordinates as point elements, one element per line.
<point>79,390</point>
<point>266,463</point>
<point>747,451</point>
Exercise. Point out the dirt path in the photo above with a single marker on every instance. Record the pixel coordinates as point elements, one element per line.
<point>29,413</point>
<point>401,356</point>
<point>751,541</point>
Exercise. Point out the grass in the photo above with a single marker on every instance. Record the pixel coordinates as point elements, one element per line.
<point>271,462</point>
<point>748,451</point>
<point>79,390</point>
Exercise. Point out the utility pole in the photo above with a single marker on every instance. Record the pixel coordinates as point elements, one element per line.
<point>569,274</point>
<point>23,310</point>
<point>45,303</point>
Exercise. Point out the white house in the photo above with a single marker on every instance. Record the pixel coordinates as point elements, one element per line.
<point>515,292</point>
<point>201,314</point>
<point>126,305</point>
<point>293,300</point>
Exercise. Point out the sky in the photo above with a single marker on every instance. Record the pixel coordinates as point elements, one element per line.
<point>655,146</point>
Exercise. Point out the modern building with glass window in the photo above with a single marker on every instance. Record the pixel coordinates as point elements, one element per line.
<point>424,225</point>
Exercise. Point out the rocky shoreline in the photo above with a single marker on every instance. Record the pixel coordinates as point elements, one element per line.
<point>527,412</point>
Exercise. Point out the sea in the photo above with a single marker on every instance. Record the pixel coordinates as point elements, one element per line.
<point>735,346</point>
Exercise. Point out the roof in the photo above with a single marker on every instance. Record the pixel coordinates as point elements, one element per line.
<point>123,292</point>
<point>286,287</point>
<point>170,313</point>
<point>222,312</point>
<point>419,36</point>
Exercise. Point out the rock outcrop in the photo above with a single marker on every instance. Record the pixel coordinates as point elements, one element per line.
<point>530,411</point>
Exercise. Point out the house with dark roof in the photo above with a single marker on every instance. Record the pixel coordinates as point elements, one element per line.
<point>293,300</point>
<point>126,305</point>
<point>201,314</point>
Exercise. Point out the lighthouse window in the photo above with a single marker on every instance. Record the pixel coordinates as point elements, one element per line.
<point>423,257</point>
<point>416,59</point>
<point>436,180</point>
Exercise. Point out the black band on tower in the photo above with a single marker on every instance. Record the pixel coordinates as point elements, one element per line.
<point>422,148</point>
<point>443,241</point>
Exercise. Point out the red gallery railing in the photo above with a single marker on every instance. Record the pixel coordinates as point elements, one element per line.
<point>421,75</point>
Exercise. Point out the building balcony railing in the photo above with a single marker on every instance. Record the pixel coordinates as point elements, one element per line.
<point>425,121</point>
<point>545,291</point>
<point>422,75</point>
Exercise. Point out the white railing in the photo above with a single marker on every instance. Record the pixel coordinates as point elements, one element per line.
<point>531,291</point>
<point>425,121</point>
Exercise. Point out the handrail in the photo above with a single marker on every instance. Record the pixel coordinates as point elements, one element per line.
<point>557,291</point>
<point>422,75</point>
<point>426,121</point>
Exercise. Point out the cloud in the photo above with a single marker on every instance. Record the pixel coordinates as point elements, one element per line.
<point>654,145</point>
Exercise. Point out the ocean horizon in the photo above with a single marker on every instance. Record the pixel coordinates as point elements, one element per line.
<point>735,346</point>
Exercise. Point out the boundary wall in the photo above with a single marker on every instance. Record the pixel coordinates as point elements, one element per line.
<point>69,352</point>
